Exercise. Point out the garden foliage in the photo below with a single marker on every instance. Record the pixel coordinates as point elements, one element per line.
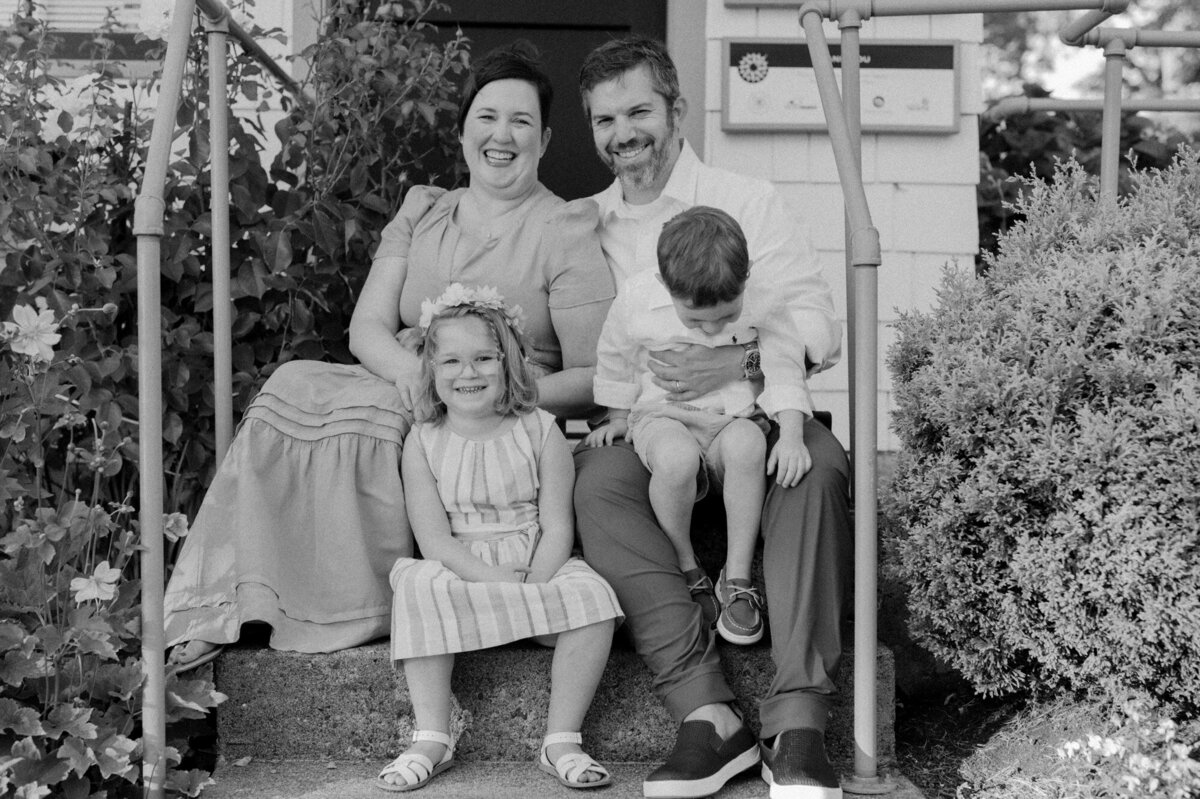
<point>1048,488</point>
<point>71,159</point>
<point>1032,144</point>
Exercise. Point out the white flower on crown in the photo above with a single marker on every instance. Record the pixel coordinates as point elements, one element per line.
<point>457,294</point>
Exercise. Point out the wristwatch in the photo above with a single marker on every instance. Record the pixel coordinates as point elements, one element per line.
<point>751,361</point>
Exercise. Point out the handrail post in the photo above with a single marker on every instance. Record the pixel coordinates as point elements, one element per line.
<point>148,227</point>
<point>864,248</point>
<point>218,121</point>
<point>849,23</point>
<point>1110,126</point>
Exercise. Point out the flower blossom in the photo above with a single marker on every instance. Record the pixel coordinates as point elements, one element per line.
<point>154,21</point>
<point>102,585</point>
<point>32,333</point>
<point>175,526</point>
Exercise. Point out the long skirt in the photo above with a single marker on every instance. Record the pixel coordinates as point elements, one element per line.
<point>304,518</point>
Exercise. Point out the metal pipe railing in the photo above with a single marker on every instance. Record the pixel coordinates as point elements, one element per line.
<point>148,227</point>
<point>149,210</point>
<point>863,257</point>
<point>1024,105</point>
<point>218,30</point>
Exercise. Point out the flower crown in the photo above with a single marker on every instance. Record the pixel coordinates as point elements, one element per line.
<point>457,294</point>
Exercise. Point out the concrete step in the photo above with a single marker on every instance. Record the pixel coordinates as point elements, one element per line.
<point>272,779</point>
<point>351,705</point>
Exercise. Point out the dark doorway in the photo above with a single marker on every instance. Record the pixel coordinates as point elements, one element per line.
<point>564,32</point>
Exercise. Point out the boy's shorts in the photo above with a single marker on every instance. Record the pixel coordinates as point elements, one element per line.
<point>648,426</point>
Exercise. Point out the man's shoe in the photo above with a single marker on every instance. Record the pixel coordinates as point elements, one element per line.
<point>701,763</point>
<point>796,767</point>
<point>700,586</point>
<point>741,619</point>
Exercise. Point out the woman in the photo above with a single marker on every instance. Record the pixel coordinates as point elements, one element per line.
<point>306,515</point>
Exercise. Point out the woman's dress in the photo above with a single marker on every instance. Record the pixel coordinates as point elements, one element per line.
<point>489,490</point>
<point>306,515</point>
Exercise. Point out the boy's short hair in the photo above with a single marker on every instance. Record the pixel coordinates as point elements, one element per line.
<point>703,257</point>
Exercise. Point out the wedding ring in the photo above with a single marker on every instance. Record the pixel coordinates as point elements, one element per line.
<point>678,387</point>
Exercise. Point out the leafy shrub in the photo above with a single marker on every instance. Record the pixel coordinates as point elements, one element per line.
<point>70,163</point>
<point>1085,747</point>
<point>302,232</point>
<point>1049,481</point>
<point>71,673</point>
<point>1032,144</point>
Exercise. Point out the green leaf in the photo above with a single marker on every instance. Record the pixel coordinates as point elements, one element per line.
<point>20,719</point>
<point>72,721</point>
<point>11,635</point>
<point>18,667</point>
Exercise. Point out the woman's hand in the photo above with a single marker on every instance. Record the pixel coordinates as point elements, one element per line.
<point>695,370</point>
<point>410,338</point>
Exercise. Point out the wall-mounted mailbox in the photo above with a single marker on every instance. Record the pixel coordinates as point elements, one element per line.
<point>906,86</point>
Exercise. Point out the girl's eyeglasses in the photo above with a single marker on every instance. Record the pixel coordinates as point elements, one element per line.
<point>486,363</point>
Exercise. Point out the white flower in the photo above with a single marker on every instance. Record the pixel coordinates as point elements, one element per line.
<point>457,294</point>
<point>175,526</point>
<point>155,19</point>
<point>32,333</point>
<point>102,585</point>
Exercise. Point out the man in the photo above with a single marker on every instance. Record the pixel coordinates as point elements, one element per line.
<point>630,92</point>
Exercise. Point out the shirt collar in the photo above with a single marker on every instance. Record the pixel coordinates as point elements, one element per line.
<point>681,185</point>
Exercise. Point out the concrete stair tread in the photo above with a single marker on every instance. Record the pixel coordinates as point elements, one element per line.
<point>312,779</point>
<point>351,705</point>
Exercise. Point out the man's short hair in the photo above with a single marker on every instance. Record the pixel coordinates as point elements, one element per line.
<point>616,57</point>
<point>703,257</point>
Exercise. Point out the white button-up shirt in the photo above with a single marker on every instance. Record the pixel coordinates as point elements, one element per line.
<point>643,320</point>
<point>782,261</point>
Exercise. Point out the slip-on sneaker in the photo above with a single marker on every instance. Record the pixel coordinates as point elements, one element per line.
<point>701,763</point>
<point>796,766</point>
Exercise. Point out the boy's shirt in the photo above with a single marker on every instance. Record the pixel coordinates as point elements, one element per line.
<point>642,319</point>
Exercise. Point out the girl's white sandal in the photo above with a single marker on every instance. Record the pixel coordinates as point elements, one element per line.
<point>570,767</point>
<point>417,770</point>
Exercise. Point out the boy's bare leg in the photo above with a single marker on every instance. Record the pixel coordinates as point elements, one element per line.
<point>742,449</point>
<point>674,462</point>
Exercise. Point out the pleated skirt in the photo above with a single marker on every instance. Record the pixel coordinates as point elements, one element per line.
<point>303,520</point>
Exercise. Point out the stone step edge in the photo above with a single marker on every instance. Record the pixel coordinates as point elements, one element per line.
<point>350,705</point>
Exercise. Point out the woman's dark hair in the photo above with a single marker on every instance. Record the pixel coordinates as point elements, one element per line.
<point>517,61</point>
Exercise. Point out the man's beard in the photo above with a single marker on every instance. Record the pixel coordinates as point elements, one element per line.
<point>644,176</point>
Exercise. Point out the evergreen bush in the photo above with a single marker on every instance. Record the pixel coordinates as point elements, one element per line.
<point>1048,488</point>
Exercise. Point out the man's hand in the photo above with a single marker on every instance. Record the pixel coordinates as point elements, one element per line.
<point>789,460</point>
<point>607,433</point>
<point>695,370</point>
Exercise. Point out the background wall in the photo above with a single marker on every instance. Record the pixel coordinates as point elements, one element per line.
<point>921,188</point>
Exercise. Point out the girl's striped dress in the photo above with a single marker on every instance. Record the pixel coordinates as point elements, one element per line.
<point>489,489</point>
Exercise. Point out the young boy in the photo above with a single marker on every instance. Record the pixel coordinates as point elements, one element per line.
<point>699,296</point>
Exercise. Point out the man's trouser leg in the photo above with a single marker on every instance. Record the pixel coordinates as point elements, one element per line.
<point>623,542</point>
<point>807,558</point>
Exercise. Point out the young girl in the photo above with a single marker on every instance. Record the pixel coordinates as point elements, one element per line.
<point>489,478</point>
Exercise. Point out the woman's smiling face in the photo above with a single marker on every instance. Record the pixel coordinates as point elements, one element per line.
<point>503,139</point>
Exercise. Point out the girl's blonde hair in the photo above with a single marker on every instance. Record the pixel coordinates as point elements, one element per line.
<point>520,383</point>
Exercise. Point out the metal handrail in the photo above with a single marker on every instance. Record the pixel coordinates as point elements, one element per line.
<point>149,209</point>
<point>842,112</point>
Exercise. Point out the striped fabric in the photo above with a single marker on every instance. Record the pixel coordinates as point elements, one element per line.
<point>489,489</point>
